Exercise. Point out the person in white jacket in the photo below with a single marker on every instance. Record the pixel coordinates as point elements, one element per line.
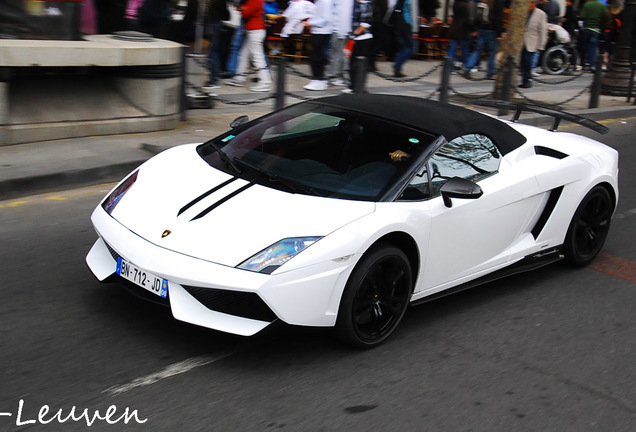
<point>321,29</point>
<point>341,13</point>
<point>295,15</point>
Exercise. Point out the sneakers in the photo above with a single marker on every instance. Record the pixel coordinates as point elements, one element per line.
<point>338,82</point>
<point>236,81</point>
<point>316,85</point>
<point>346,90</point>
<point>260,87</point>
<point>209,87</point>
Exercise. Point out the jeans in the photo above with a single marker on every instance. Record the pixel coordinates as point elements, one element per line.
<point>452,50</point>
<point>486,39</point>
<point>526,65</point>
<point>405,49</point>
<point>214,58</point>
<point>253,50</point>
<point>588,45</point>
<point>318,58</point>
<point>337,63</point>
<point>235,49</point>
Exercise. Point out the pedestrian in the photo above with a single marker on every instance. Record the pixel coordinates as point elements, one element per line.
<point>489,21</point>
<point>252,13</point>
<point>341,13</point>
<point>593,15</point>
<point>216,13</point>
<point>535,37</point>
<point>234,24</point>
<point>461,29</point>
<point>382,33</point>
<point>321,28</point>
<point>570,20</point>
<point>405,20</point>
<point>362,44</point>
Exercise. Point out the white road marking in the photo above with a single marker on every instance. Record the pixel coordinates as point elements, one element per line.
<point>169,371</point>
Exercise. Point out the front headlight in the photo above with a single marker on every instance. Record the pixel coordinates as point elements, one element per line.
<point>115,196</point>
<point>269,259</point>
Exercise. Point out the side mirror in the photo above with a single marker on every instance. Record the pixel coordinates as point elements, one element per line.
<point>239,121</point>
<point>458,187</point>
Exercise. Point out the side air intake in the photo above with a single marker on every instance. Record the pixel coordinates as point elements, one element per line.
<point>545,151</point>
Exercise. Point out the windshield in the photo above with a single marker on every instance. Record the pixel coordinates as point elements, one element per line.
<point>320,150</point>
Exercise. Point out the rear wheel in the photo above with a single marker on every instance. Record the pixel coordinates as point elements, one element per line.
<point>589,227</point>
<point>375,298</point>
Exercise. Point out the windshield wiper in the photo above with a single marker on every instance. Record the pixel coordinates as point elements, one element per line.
<point>225,158</point>
<point>292,184</point>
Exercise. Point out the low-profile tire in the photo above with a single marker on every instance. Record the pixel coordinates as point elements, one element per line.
<point>375,297</point>
<point>589,227</point>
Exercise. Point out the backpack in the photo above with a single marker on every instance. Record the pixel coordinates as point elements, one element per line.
<point>482,15</point>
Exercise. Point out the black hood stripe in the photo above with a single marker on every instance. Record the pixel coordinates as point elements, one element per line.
<point>205,195</point>
<point>221,201</point>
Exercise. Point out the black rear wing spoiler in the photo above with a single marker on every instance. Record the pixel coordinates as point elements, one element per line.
<point>556,114</point>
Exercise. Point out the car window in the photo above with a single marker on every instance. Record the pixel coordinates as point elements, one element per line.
<point>472,157</point>
<point>326,151</point>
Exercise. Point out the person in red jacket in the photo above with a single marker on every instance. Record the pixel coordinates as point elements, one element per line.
<point>252,13</point>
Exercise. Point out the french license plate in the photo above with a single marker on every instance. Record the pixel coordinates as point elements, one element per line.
<point>144,279</point>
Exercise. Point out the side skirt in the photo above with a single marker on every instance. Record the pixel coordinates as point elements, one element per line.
<point>531,262</point>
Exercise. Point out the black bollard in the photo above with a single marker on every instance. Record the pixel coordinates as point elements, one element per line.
<point>443,87</point>
<point>596,84</point>
<point>280,82</point>
<point>359,74</point>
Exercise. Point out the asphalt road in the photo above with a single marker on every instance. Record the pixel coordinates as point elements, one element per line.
<point>552,350</point>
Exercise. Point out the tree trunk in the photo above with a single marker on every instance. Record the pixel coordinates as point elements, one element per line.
<point>511,42</point>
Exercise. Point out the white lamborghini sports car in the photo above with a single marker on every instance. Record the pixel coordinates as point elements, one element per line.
<point>342,211</point>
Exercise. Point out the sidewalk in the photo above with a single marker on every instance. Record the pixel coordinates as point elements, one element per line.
<point>55,165</point>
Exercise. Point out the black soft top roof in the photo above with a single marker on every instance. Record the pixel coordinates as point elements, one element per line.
<point>441,119</point>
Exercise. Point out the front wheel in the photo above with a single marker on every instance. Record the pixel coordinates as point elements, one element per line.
<point>589,227</point>
<point>375,297</point>
<point>556,60</point>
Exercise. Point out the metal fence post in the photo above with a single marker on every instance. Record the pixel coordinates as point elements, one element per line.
<point>443,87</point>
<point>596,84</point>
<point>359,74</point>
<point>183,98</point>
<point>279,103</point>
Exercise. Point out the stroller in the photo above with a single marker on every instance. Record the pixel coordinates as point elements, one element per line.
<point>560,54</point>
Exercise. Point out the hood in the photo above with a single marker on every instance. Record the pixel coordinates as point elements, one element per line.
<point>220,218</point>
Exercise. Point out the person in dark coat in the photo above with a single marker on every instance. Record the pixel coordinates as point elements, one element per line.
<point>217,12</point>
<point>461,29</point>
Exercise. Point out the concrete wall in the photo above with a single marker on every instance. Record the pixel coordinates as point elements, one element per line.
<point>99,86</point>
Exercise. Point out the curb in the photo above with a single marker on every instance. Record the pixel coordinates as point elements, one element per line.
<point>32,185</point>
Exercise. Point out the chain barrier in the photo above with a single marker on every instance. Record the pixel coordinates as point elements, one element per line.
<point>471,97</point>
<point>433,93</point>
<point>299,97</point>
<point>527,99</point>
<point>243,102</point>
<point>564,81</point>
<point>405,80</point>
<point>202,62</point>
<point>297,72</point>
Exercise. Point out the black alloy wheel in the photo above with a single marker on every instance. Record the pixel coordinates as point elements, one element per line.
<point>375,298</point>
<point>589,227</point>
